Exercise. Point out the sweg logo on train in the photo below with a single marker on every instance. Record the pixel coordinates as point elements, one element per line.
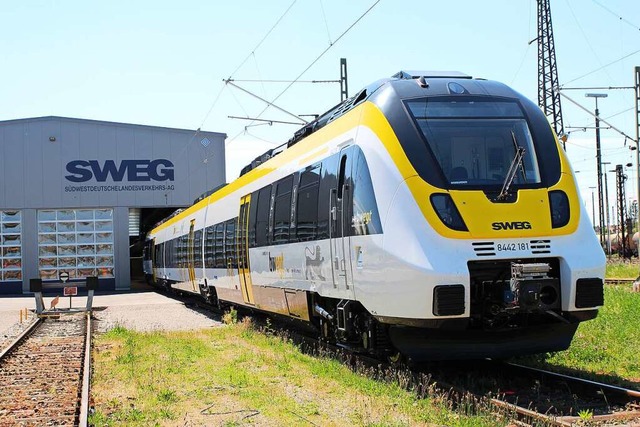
<point>134,170</point>
<point>513,225</point>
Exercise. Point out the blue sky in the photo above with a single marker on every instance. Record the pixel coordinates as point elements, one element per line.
<point>162,63</point>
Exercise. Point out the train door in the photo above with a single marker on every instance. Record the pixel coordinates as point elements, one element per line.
<point>191,258</point>
<point>340,222</point>
<point>243,250</point>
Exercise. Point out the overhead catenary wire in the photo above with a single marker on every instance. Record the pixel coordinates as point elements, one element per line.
<point>312,63</point>
<point>621,18</point>
<point>600,68</point>
<point>282,81</point>
<point>326,24</point>
<point>322,54</point>
<point>217,98</point>
<point>584,35</point>
<point>524,57</point>
<point>263,39</point>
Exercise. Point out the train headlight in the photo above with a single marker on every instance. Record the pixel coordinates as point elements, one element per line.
<point>559,204</point>
<point>447,212</point>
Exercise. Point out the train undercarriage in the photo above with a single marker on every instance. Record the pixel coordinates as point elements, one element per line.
<point>514,305</point>
<point>515,309</point>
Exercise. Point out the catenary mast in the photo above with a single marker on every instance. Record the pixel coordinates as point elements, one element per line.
<point>548,87</point>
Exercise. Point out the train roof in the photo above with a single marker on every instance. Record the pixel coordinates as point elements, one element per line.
<point>405,84</point>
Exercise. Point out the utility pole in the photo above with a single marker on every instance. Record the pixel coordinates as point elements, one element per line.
<point>599,166</point>
<point>593,208</point>
<point>548,87</point>
<point>637,93</point>
<point>606,209</point>
<point>620,179</point>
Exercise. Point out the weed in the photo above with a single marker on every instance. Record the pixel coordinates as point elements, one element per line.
<point>585,414</point>
<point>118,331</point>
<point>230,317</point>
<point>167,414</point>
<point>167,396</point>
<point>247,328</point>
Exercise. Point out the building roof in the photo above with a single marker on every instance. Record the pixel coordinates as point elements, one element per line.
<point>102,122</point>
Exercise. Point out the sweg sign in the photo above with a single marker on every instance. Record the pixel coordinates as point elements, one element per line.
<point>134,170</point>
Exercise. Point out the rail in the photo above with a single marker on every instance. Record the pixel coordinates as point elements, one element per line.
<point>26,332</point>
<point>619,281</point>
<point>45,373</point>
<point>86,377</point>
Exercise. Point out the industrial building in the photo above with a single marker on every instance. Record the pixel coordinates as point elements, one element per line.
<point>78,195</point>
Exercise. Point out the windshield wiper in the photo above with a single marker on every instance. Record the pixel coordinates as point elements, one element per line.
<point>516,146</point>
<point>516,164</point>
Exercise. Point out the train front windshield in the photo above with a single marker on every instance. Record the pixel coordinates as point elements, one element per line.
<point>476,141</point>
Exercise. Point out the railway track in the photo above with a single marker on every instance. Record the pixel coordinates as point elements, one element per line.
<point>537,397</point>
<point>624,281</point>
<point>45,372</point>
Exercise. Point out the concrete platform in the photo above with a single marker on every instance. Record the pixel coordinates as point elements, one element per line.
<point>141,309</point>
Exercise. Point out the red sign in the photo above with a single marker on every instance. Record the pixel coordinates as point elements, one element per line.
<point>70,291</point>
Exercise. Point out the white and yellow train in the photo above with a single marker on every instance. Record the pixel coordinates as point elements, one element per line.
<point>432,215</point>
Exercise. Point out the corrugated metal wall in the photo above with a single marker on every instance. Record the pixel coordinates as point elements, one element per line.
<point>56,163</point>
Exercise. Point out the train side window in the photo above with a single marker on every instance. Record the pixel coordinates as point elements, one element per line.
<point>175,247</point>
<point>253,208</point>
<point>197,251</point>
<point>220,261</point>
<point>159,252</point>
<point>328,182</point>
<point>179,256</point>
<point>262,216</point>
<point>175,251</point>
<point>307,204</point>
<point>185,250</point>
<point>282,210</point>
<point>230,244</point>
<point>170,255</point>
<point>341,175</point>
<point>365,218</point>
<point>209,254</point>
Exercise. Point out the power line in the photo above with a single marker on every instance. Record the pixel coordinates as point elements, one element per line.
<point>241,64</point>
<point>264,38</point>
<point>283,81</point>
<point>635,27</point>
<point>585,37</point>
<point>318,58</point>
<point>598,69</point>
<point>325,23</point>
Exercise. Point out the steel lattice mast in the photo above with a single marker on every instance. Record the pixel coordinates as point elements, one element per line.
<point>548,87</point>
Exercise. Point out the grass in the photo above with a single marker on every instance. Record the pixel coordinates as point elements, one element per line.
<point>622,270</point>
<point>233,375</point>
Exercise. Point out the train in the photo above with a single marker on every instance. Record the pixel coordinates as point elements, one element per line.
<point>432,216</point>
